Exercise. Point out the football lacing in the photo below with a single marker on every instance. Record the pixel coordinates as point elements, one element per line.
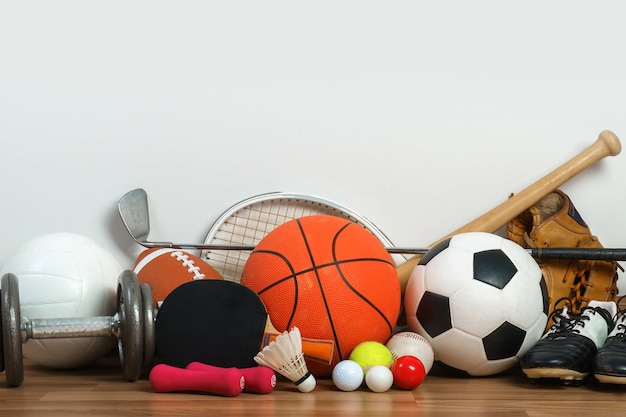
<point>191,266</point>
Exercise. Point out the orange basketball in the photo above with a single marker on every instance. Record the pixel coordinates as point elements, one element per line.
<point>329,277</point>
<point>165,269</point>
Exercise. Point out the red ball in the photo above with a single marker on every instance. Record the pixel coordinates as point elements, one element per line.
<point>329,277</point>
<point>408,372</point>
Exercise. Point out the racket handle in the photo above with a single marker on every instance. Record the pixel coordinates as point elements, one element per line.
<point>259,379</point>
<point>228,382</point>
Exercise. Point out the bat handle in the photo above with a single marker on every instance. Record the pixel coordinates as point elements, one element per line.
<point>259,379</point>
<point>228,382</point>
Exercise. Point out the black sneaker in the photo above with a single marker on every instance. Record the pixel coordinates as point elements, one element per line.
<point>610,362</point>
<point>567,350</point>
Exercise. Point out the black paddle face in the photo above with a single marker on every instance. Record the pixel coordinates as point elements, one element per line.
<point>216,322</point>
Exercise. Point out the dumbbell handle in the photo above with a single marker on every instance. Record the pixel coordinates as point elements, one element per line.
<point>57,328</point>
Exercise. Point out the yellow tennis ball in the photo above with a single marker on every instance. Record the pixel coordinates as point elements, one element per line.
<point>368,354</point>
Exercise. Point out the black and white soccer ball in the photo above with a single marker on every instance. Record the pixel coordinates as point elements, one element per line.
<point>480,300</point>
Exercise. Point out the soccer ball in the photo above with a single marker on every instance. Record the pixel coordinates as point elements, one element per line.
<point>480,300</point>
<point>64,275</point>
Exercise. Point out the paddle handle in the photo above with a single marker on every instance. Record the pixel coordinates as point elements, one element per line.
<point>317,350</point>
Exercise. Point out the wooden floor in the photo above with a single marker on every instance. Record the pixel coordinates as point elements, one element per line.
<point>99,390</point>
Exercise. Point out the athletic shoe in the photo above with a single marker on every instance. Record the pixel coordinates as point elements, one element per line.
<point>566,351</point>
<point>610,362</point>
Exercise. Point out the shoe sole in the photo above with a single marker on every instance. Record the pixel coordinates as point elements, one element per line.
<point>564,375</point>
<point>611,379</point>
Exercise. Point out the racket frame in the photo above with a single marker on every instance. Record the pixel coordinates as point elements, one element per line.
<point>237,227</point>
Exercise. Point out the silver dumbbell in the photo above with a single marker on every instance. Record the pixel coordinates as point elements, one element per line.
<point>132,324</point>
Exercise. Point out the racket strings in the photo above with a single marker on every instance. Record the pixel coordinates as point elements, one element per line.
<point>248,224</point>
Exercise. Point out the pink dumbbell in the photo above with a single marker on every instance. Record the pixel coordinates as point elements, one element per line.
<point>259,379</point>
<point>228,382</point>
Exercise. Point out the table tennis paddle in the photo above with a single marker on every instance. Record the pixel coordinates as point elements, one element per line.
<point>221,323</point>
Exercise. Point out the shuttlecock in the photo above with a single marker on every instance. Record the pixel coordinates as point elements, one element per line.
<point>284,355</point>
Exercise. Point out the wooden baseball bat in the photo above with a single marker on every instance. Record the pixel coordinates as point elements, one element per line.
<point>607,144</point>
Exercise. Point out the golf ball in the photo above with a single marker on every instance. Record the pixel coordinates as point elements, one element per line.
<point>347,375</point>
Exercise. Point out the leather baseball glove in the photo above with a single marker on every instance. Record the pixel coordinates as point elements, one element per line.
<point>555,222</point>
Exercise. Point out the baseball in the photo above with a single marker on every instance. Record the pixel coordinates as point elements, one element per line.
<point>412,344</point>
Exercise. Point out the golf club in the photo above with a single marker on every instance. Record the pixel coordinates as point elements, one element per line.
<point>133,209</point>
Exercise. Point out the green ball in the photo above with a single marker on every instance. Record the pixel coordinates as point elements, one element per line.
<point>368,354</point>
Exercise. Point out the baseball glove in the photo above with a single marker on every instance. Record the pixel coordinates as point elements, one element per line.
<point>555,222</point>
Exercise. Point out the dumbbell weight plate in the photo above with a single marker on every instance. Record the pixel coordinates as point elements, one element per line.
<point>1,341</point>
<point>131,339</point>
<point>11,332</point>
<point>148,323</point>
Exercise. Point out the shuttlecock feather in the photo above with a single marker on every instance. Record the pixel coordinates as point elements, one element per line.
<point>284,355</point>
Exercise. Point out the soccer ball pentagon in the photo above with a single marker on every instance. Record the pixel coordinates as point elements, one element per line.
<point>480,300</point>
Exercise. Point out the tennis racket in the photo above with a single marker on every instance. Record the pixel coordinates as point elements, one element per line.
<point>247,222</point>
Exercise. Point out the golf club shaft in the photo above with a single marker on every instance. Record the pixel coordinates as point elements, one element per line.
<point>605,254</point>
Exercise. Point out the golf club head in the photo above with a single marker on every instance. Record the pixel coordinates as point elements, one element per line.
<point>133,209</point>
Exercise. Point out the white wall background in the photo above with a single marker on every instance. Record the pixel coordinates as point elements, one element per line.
<point>420,115</point>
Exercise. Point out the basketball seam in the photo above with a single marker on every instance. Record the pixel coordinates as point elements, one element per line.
<point>320,286</point>
<point>353,289</point>
<point>362,297</point>
<point>295,274</point>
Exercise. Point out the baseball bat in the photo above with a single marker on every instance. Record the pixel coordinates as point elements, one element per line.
<point>607,144</point>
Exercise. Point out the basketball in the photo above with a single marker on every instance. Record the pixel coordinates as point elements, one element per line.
<point>165,269</point>
<point>331,278</point>
<point>64,275</point>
